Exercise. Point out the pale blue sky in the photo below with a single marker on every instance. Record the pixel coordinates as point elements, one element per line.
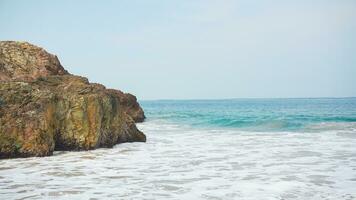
<point>191,49</point>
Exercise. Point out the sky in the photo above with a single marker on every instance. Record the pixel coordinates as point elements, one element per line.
<point>197,49</point>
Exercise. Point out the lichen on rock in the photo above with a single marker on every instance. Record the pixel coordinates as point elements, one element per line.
<point>44,108</point>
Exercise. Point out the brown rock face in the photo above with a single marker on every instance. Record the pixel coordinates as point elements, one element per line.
<point>43,108</point>
<point>131,106</point>
<point>25,62</point>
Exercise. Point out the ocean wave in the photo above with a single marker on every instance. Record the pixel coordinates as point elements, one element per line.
<point>179,161</point>
<point>257,115</point>
<point>327,126</point>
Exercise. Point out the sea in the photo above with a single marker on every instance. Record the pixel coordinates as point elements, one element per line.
<point>253,149</point>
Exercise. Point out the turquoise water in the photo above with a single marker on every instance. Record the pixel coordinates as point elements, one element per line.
<point>256,114</point>
<point>248,149</point>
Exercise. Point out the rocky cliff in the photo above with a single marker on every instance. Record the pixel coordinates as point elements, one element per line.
<point>44,108</point>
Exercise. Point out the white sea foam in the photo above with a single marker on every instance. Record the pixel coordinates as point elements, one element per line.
<point>185,163</point>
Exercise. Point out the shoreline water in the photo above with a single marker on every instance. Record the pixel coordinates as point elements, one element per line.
<point>185,159</point>
<point>180,162</point>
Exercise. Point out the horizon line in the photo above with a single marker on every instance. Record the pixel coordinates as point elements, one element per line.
<point>236,98</point>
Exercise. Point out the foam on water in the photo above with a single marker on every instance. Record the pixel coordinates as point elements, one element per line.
<point>181,162</point>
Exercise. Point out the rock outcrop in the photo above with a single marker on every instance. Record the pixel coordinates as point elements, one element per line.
<point>22,61</point>
<point>44,108</point>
